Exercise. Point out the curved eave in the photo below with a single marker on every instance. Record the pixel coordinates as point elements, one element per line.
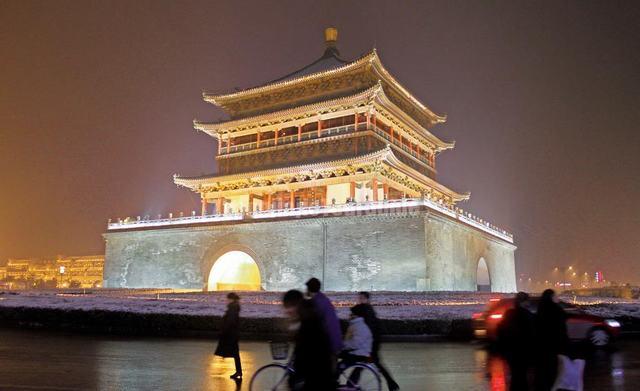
<point>384,155</point>
<point>194,183</point>
<point>374,94</point>
<point>382,99</point>
<point>218,128</point>
<point>392,159</point>
<point>222,99</point>
<point>372,58</point>
<point>384,74</point>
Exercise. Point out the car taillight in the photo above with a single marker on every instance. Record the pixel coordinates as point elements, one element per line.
<point>477,315</point>
<point>495,316</point>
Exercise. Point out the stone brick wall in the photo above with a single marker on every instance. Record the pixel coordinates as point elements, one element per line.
<point>405,251</point>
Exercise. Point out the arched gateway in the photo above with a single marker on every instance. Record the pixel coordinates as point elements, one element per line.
<point>482,277</point>
<point>234,270</point>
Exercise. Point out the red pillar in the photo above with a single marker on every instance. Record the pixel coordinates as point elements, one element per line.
<point>374,186</point>
<point>299,132</point>
<point>292,199</point>
<point>268,205</point>
<point>219,205</point>
<point>204,206</point>
<point>352,190</point>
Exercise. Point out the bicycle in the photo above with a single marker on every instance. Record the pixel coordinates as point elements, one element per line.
<point>275,376</point>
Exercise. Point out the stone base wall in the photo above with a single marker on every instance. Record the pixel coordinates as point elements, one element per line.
<point>409,251</point>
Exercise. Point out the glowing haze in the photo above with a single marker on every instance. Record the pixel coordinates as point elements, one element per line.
<point>97,102</point>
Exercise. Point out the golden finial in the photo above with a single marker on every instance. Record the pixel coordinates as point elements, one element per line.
<point>331,36</point>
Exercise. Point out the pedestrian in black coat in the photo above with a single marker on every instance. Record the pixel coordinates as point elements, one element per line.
<point>515,341</point>
<point>552,339</point>
<point>228,341</point>
<point>371,319</point>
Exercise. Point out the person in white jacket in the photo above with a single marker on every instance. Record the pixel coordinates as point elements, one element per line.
<point>358,341</point>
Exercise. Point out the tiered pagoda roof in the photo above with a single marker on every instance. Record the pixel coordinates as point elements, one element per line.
<point>326,89</point>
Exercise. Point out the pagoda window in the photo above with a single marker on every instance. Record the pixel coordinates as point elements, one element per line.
<point>267,139</point>
<point>288,135</point>
<point>394,194</point>
<point>310,127</point>
<point>337,122</point>
<point>242,143</point>
<point>386,130</point>
<point>267,135</point>
<point>250,138</point>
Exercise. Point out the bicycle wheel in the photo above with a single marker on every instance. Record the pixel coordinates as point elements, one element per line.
<point>360,377</point>
<point>272,377</point>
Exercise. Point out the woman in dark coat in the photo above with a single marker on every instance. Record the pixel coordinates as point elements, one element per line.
<point>228,341</point>
<point>552,339</point>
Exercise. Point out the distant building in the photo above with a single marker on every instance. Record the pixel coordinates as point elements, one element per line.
<point>84,270</point>
<point>60,272</point>
<point>17,269</point>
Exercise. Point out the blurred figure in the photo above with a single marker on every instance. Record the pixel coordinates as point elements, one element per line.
<point>327,314</point>
<point>228,341</point>
<point>515,341</point>
<point>358,340</point>
<point>312,353</point>
<point>371,319</point>
<point>552,339</point>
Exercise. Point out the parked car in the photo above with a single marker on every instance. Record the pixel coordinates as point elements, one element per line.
<point>581,326</point>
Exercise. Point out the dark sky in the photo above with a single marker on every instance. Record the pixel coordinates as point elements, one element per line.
<point>543,99</point>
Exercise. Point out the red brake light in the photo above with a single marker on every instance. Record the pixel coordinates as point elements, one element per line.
<point>476,315</point>
<point>495,316</point>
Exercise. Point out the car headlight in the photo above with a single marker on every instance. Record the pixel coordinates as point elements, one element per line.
<point>612,323</point>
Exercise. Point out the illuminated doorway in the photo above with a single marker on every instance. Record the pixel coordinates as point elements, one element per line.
<point>235,270</point>
<point>482,277</point>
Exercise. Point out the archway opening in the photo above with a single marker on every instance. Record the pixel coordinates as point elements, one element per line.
<point>235,270</point>
<point>482,277</point>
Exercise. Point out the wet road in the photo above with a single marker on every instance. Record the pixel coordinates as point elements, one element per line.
<point>45,361</point>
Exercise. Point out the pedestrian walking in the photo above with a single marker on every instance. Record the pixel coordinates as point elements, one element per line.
<point>312,361</point>
<point>229,334</point>
<point>515,341</point>
<point>552,339</point>
<point>371,319</point>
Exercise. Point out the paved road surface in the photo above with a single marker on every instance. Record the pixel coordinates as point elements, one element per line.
<point>32,360</point>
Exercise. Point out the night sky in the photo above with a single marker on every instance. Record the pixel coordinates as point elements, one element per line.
<point>543,100</point>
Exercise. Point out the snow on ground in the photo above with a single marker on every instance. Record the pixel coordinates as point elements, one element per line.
<point>389,305</point>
